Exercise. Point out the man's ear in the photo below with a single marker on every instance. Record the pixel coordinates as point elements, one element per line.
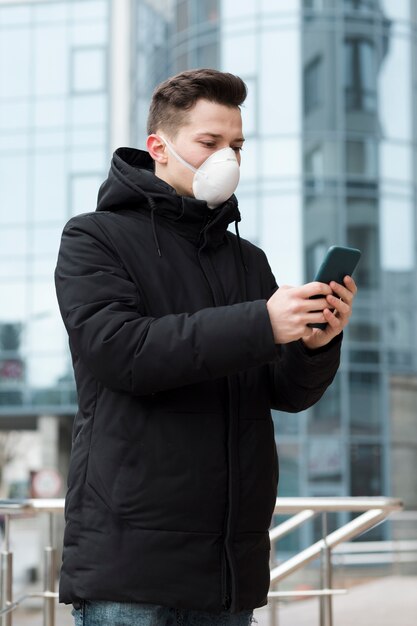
<point>157,149</point>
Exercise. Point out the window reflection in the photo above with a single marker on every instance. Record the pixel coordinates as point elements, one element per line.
<point>360,75</point>
<point>313,85</point>
<point>365,403</point>
<point>366,238</point>
<point>325,416</point>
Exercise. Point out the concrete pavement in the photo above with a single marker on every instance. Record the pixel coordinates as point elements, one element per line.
<point>390,601</point>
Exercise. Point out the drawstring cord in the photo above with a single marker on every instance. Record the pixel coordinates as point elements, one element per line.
<point>155,234</point>
<point>239,243</point>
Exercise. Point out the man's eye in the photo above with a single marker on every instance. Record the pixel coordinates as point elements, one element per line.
<point>238,148</point>
<point>208,144</point>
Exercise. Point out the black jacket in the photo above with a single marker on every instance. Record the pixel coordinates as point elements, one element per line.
<point>173,473</point>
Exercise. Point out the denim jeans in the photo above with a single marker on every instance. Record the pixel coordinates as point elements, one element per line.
<point>133,614</point>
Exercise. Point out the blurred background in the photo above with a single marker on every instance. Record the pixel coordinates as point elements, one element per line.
<point>330,158</point>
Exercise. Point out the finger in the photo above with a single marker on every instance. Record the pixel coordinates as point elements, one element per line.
<point>343,308</point>
<point>315,318</point>
<point>313,289</point>
<point>350,284</point>
<point>334,322</point>
<point>342,292</point>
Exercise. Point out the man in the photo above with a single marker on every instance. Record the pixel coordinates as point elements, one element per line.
<point>181,344</point>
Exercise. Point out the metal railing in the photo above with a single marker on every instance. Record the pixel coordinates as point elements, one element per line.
<point>13,508</point>
<point>373,511</point>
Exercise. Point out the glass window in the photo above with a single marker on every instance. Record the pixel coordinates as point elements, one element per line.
<point>365,403</point>
<point>360,5</point>
<point>13,301</point>
<point>313,85</point>
<point>249,164</point>
<point>289,480</point>
<point>395,90</point>
<point>14,115</point>
<point>362,330</point>
<point>182,16</point>
<point>50,73</point>
<point>238,54</point>
<point>314,169</point>
<point>83,192</point>
<point>396,9</point>
<point>325,416</point>
<point>15,69</point>
<point>396,161</point>
<point>397,234</point>
<point>232,9</point>
<point>45,239</point>
<point>50,112</point>
<point>207,11</point>
<point>13,241</point>
<point>360,75</point>
<point>314,257</point>
<point>49,198</point>
<point>91,10</point>
<point>15,15</point>
<point>88,109</point>
<point>48,139</point>
<point>51,12</point>
<point>13,188</point>
<point>88,70</point>
<point>361,158</point>
<point>366,238</point>
<point>281,158</point>
<point>90,33</point>
<point>283,245</point>
<point>365,470</point>
<point>208,55</point>
<point>250,109</point>
<point>279,58</point>
<point>325,460</point>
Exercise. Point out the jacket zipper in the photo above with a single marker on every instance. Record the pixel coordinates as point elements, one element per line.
<point>226,563</point>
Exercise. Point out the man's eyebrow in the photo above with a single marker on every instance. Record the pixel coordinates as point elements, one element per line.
<point>217,136</point>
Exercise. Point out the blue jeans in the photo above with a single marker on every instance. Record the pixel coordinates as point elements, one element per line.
<point>134,614</point>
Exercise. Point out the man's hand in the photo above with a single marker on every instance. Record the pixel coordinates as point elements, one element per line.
<point>336,319</point>
<point>290,310</point>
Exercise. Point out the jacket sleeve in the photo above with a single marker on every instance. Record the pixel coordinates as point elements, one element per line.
<point>299,376</point>
<point>132,352</point>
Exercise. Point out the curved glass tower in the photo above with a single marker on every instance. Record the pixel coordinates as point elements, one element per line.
<point>330,158</point>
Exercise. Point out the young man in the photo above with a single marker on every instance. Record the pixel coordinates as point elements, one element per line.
<point>181,344</point>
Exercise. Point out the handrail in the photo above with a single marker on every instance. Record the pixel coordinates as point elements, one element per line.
<point>373,511</point>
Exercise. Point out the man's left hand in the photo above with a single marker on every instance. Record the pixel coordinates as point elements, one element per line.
<point>336,316</point>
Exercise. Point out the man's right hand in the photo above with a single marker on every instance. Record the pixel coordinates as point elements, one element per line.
<point>290,310</point>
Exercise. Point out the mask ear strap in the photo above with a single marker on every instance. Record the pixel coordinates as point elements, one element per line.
<point>176,155</point>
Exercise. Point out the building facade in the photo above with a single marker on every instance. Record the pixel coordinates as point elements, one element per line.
<point>330,157</point>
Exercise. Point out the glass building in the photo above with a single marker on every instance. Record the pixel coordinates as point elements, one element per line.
<point>329,158</point>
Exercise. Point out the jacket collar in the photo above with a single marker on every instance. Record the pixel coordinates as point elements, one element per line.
<point>132,183</point>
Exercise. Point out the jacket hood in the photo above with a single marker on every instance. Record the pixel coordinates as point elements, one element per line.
<point>132,183</point>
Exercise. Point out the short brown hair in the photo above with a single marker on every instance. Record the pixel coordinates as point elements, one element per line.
<point>174,97</point>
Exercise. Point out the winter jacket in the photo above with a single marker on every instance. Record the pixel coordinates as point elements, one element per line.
<point>173,473</point>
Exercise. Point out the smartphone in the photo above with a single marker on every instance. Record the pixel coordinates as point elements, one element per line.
<point>339,262</point>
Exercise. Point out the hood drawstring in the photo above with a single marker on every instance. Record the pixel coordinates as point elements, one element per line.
<point>239,243</point>
<point>155,234</point>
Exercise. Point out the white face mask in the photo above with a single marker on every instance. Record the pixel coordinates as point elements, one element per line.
<point>217,177</point>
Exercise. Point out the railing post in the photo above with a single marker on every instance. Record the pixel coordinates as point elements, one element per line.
<point>49,577</point>
<point>6,590</point>
<point>272,605</point>
<point>326,608</point>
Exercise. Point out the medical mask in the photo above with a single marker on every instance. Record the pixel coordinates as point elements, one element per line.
<point>217,177</point>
